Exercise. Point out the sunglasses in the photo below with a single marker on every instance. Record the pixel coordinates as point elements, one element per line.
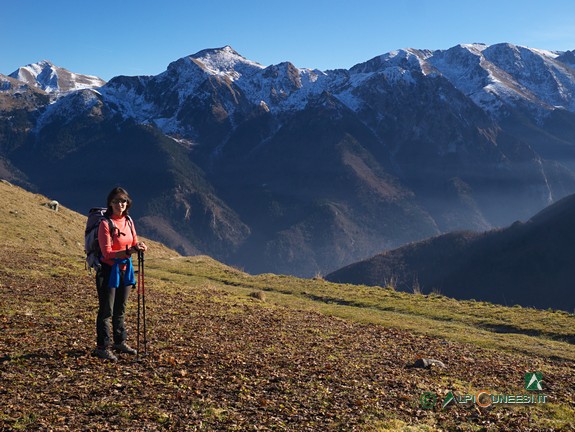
<point>119,201</point>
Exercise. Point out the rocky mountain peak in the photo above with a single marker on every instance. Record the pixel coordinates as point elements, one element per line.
<point>225,61</point>
<point>53,79</point>
<point>410,59</point>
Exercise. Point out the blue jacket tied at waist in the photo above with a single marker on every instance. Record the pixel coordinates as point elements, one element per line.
<point>129,278</point>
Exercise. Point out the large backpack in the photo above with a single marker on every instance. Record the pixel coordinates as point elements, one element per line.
<point>91,246</point>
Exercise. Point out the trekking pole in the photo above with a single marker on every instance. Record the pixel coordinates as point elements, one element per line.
<point>141,254</point>
<point>138,321</point>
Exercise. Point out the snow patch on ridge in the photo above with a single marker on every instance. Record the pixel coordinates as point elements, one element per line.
<point>68,107</point>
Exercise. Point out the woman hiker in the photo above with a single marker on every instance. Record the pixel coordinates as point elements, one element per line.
<point>115,278</point>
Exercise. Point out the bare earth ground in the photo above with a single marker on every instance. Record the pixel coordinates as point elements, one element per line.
<point>224,362</point>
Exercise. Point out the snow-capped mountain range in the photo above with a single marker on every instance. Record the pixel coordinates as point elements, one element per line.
<point>490,75</point>
<point>286,169</point>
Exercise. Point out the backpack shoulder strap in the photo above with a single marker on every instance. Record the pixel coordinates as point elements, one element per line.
<point>131,223</point>
<point>111,227</point>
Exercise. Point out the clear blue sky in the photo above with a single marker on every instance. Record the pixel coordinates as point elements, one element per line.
<point>141,37</point>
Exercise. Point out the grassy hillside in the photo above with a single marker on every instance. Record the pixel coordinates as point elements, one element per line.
<point>230,351</point>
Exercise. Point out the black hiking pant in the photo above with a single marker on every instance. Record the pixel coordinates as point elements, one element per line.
<point>112,309</point>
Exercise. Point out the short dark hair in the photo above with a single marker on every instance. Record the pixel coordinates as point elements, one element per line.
<point>118,191</point>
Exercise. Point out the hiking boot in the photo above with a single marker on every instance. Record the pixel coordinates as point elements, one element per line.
<point>124,348</point>
<point>105,354</point>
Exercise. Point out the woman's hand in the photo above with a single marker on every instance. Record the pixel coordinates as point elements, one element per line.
<point>141,246</point>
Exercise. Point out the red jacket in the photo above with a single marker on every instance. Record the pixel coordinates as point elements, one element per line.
<point>124,236</point>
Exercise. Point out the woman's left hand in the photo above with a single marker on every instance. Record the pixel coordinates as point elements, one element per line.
<point>141,246</point>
